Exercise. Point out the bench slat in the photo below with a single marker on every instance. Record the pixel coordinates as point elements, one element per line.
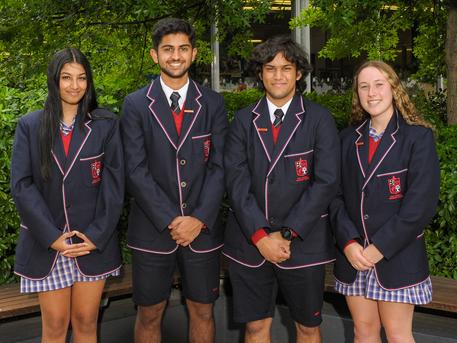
<point>13,303</point>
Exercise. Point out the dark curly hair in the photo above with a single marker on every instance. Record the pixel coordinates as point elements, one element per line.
<point>168,26</point>
<point>267,51</point>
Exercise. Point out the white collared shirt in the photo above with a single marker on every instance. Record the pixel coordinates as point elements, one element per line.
<point>182,92</point>
<point>272,108</point>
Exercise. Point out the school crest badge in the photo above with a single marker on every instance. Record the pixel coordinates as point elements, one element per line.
<point>301,169</point>
<point>96,171</point>
<point>206,148</point>
<point>395,189</point>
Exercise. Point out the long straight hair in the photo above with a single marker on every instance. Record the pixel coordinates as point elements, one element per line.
<point>49,124</point>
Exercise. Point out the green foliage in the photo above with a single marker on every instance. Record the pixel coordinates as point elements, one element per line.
<point>372,28</point>
<point>13,103</point>
<point>339,104</point>
<point>115,35</point>
<point>239,100</point>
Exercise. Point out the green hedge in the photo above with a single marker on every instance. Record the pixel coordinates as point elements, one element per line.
<point>441,234</point>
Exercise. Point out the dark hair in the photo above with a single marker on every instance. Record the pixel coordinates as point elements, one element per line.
<point>267,51</point>
<point>49,124</point>
<point>167,26</point>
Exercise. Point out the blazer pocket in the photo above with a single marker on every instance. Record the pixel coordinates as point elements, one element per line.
<point>201,147</point>
<point>92,169</point>
<point>391,186</point>
<point>299,166</point>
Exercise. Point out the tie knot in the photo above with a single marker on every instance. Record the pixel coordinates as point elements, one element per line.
<point>278,117</point>
<point>174,97</point>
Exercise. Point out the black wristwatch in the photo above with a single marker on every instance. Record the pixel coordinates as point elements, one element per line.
<point>287,233</point>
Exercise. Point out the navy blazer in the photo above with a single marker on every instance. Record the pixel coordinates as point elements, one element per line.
<point>85,192</point>
<point>387,202</point>
<point>170,176</point>
<point>287,184</point>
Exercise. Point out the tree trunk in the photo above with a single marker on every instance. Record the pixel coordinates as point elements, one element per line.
<point>451,63</point>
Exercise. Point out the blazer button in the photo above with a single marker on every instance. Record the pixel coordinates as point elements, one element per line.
<point>183,184</point>
<point>67,206</point>
<point>182,162</point>
<point>366,217</point>
<point>272,220</point>
<point>183,205</point>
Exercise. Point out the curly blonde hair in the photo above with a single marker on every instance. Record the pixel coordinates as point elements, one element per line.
<point>400,97</point>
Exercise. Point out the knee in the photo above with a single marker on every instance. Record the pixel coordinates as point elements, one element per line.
<point>365,330</point>
<point>398,335</point>
<point>258,327</point>
<point>307,331</point>
<point>56,326</point>
<point>84,322</point>
<point>148,316</point>
<point>203,312</point>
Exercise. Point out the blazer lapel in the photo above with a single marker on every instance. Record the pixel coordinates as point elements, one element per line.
<point>290,124</point>
<point>161,111</point>
<point>78,139</point>
<point>388,140</point>
<point>192,108</point>
<point>58,153</point>
<point>361,147</point>
<point>262,124</point>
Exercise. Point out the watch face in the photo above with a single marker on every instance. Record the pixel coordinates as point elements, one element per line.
<point>286,234</point>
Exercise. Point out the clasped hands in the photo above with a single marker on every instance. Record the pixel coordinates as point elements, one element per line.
<point>360,258</point>
<point>67,249</point>
<point>274,248</point>
<point>184,229</point>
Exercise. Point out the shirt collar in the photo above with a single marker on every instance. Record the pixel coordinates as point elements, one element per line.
<point>182,92</point>
<point>374,134</point>
<point>272,108</point>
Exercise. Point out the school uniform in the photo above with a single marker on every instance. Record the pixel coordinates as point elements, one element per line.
<point>173,170</point>
<point>85,192</point>
<point>387,202</point>
<point>289,183</point>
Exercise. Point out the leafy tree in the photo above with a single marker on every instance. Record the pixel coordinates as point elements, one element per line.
<point>359,27</point>
<point>115,34</point>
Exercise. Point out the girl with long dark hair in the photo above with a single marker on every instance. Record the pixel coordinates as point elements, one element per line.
<point>67,180</point>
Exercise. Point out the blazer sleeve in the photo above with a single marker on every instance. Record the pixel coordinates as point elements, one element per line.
<point>140,184</point>
<point>213,188</point>
<point>343,227</point>
<point>30,204</point>
<point>305,213</point>
<point>111,193</point>
<point>238,181</point>
<point>419,203</point>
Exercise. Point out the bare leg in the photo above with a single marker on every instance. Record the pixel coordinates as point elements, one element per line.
<point>149,322</point>
<point>85,305</point>
<point>307,334</point>
<point>201,322</point>
<point>55,314</point>
<point>397,319</point>
<point>367,324</point>
<point>258,331</point>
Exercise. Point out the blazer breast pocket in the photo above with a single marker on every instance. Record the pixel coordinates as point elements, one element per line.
<point>299,166</point>
<point>92,169</point>
<point>391,186</point>
<point>201,147</point>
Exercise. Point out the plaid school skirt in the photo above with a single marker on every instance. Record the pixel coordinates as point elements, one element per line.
<point>64,274</point>
<point>367,286</point>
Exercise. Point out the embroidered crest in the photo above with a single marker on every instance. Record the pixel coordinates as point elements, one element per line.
<point>394,188</point>
<point>96,170</point>
<point>301,169</point>
<point>206,148</point>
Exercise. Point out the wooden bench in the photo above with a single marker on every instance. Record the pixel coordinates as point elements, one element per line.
<point>13,303</point>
